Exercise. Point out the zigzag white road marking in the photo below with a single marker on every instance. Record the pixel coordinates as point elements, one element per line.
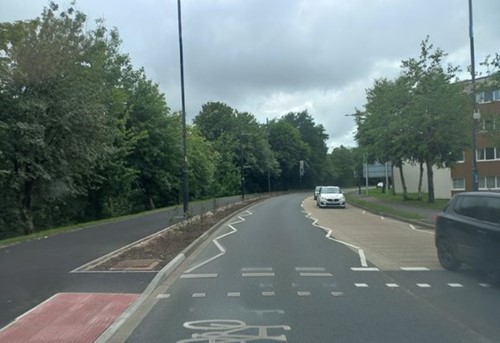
<point>218,244</point>
<point>328,231</point>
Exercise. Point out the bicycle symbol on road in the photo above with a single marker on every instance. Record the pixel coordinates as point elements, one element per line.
<point>231,331</point>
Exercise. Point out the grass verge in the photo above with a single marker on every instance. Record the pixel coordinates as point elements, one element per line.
<point>380,208</point>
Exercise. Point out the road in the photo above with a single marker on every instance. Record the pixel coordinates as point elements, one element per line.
<point>289,272</point>
<point>32,272</point>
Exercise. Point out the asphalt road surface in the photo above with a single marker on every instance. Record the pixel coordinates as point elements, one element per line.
<point>33,271</point>
<point>286,271</point>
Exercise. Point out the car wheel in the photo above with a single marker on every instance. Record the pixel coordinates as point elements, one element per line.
<point>446,254</point>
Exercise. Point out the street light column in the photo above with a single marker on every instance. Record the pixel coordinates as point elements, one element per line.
<point>476,116</point>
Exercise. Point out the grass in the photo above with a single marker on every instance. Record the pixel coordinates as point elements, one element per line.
<point>51,232</point>
<point>380,208</point>
<point>438,204</point>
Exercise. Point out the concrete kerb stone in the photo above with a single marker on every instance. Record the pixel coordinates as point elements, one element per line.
<point>164,273</point>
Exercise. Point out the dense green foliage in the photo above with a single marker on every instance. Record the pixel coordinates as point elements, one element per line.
<point>84,136</point>
<point>420,117</point>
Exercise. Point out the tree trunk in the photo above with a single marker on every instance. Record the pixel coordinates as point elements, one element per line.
<point>393,188</point>
<point>420,177</point>
<point>430,182</point>
<point>26,209</point>
<point>403,182</point>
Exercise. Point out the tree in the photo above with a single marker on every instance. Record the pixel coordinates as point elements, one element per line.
<point>55,123</point>
<point>288,148</point>
<point>315,137</point>
<point>436,110</point>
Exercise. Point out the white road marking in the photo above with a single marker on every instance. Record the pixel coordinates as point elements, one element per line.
<point>257,269</point>
<point>361,285</point>
<point>218,245</point>
<point>392,285</point>
<point>414,269</point>
<point>233,294</point>
<point>423,285</point>
<point>304,294</point>
<point>268,294</point>
<point>163,296</point>
<point>199,295</point>
<point>257,274</point>
<point>315,274</point>
<point>485,285</point>
<point>310,269</point>
<point>198,276</point>
<point>337,294</point>
<point>365,269</point>
<point>361,253</point>
<point>455,285</point>
<point>422,231</point>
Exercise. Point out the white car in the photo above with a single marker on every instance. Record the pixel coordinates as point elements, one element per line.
<point>330,196</point>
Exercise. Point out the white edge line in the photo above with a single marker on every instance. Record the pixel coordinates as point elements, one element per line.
<point>422,231</point>
<point>361,253</point>
<point>219,245</point>
<point>113,328</point>
<point>29,311</point>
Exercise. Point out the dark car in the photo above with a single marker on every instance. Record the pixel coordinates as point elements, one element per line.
<point>468,231</point>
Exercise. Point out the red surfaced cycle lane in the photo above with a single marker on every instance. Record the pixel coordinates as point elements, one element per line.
<point>68,317</point>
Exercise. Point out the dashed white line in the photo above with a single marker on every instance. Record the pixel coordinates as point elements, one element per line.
<point>310,269</point>
<point>199,295</point>
<point>316,274</point>
<point>233,294</point>
<point>392,285</point>
<point>268,294</point>
<point>485,285</point>
<point>365,269</point>
<point>198,276</point>
<point>304,294</point>
<point>257,274</point>
<point>163,296</point>
<point>414,269</point>
<point>361,285</point>
<point>423,285</point>
<point>337,294</point>
<point>455,285</point>
<point>257,269</point>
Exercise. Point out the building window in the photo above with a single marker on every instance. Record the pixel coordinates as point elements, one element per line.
<point>496,95</point>
<point>461,157</point>
<point>489,182</point>
<point>458,183</point>
<point>488,154</point>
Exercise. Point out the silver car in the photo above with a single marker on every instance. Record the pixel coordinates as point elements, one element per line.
<point>330,196</point>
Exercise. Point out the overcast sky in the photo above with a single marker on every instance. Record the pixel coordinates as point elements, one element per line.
<point>270,57</point>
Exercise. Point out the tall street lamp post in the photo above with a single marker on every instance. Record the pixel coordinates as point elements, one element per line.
<point>185,170</point>
<point>476,115</point>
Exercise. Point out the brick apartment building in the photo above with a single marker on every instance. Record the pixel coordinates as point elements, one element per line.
<point>487,148</point>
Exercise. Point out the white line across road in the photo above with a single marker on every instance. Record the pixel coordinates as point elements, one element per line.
<point>257,274</point>
<point>316,274</point>
<point>310,269</point>
<point>198,276</point>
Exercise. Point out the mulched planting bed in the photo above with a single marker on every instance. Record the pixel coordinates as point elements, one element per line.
<point>159,250</point>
